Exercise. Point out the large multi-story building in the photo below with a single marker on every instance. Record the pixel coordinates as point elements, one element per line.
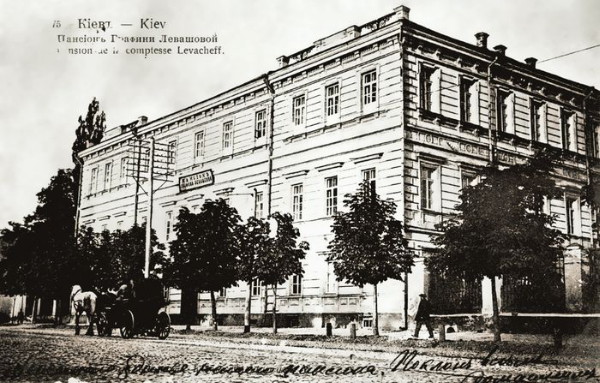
<point>413,111</point>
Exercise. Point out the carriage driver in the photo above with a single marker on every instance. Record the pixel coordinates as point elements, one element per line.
<point>126,292</point>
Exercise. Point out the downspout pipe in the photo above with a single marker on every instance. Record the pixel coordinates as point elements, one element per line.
<point>271,90</point>
<point>79,188</point>
<point>491,137</point>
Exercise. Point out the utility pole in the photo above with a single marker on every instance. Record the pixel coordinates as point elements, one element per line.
<point>152,163</point>
<point>150,203</point>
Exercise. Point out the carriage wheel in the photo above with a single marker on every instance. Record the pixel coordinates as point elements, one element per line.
<point>163,325</point>
<point>103,324</point>
<point>126,324</point>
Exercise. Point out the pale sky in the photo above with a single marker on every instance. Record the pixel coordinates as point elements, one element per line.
<point>44,91</point>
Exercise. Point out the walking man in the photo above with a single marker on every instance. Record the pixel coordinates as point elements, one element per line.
<point>423,316</point>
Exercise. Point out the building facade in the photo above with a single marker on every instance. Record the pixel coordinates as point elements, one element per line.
<point>414,112</point>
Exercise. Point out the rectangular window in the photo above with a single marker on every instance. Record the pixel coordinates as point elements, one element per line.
<point>297,201</point>
<point>597,141</point>
<point>228,135</point>
<point>298,110</point>
<point>258,205</point>
<point>331,196</point>
<point>430,187</point>
<point>468,179</point>
<point>123,169</point>
<point>368,176</point>
<point>536,121</point>
<point>426,82</point>
<point>119,225</point>
<point>256,287</point>
<point>107,175</point>
<point>168,225</point>
<point>296,284</point>
<point>260,124</point>
<point>568,130</point>
<point>94,180</point>
<point>332,99</point>
<point>222,293</point>
<point>172,153</point>
<point>369,87</point>
<point>468,100</point>
<point>572,215</point>
<point>199,144</point>
<point>502,111</point>
<point>331,286</point>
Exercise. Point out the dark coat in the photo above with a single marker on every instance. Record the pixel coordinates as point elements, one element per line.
<point>424,310</point>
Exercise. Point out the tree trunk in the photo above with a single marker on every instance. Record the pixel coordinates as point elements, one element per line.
<point>495,312</point>
<point>266,309</point>
<point>274,309</point>
<point>33,310</point>
<point>248,311</point>
<point>189,307</point>
<point>57,313</point>
<point>213,303</point>
<point>376,316</point>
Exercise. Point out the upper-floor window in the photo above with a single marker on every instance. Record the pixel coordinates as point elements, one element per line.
<point>369,87</point>
<point>107,175</point>
<point>123,174</point>
<point>94,180</point>
<point>429,79</point>
<point>222,293</point>
<point>468,178</point>
<point>567,120</point>
<point>504,111</point>
<point>331,195</point>
<point>430,187</point>
<point>258,205</point>
<point>368,177</point>
<point>597,141</point>
<point>537,121</point>
<point>199,144</point>
<point>572,215</point>
<point>296,284</point>
<point>172,151</point>
<point>228,135</point>
<point>469,107</point>
<point>260,124</point>
<point>299,109</point>
<point>297,201</point>
<point>332,99</point>
<point>168,225</point>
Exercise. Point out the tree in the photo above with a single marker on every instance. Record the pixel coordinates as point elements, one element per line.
<point>39,255</point>
<point>254,242</point>
<point>369,245</point>
<point>500,229</point>
<point>89,132</point>
<point>204,254</point>
<point>282,258</point>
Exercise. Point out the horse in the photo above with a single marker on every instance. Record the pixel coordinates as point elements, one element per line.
<point>83,301</point>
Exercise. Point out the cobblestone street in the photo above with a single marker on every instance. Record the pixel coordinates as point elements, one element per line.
<point>56,355</point>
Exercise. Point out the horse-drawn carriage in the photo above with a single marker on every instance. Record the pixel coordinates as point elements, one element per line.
<point>137,314</point>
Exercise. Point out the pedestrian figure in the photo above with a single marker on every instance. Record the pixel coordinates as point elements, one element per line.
<point>423,316</point>
<point>20,317</point>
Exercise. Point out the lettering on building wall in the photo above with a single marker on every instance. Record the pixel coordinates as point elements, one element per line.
<point>196,180</point>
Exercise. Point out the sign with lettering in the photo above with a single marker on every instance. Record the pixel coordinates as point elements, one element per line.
<point>196,180</point>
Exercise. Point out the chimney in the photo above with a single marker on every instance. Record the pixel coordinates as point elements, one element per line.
<point>352,32</point>
<point>402,12</point>
<point>500,49</point>
<point>531,61</point>
<point>142,120</point>
<point>482,39</point>
<point>283,61</point>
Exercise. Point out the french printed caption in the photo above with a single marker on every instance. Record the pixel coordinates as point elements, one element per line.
<point>146,37</point>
